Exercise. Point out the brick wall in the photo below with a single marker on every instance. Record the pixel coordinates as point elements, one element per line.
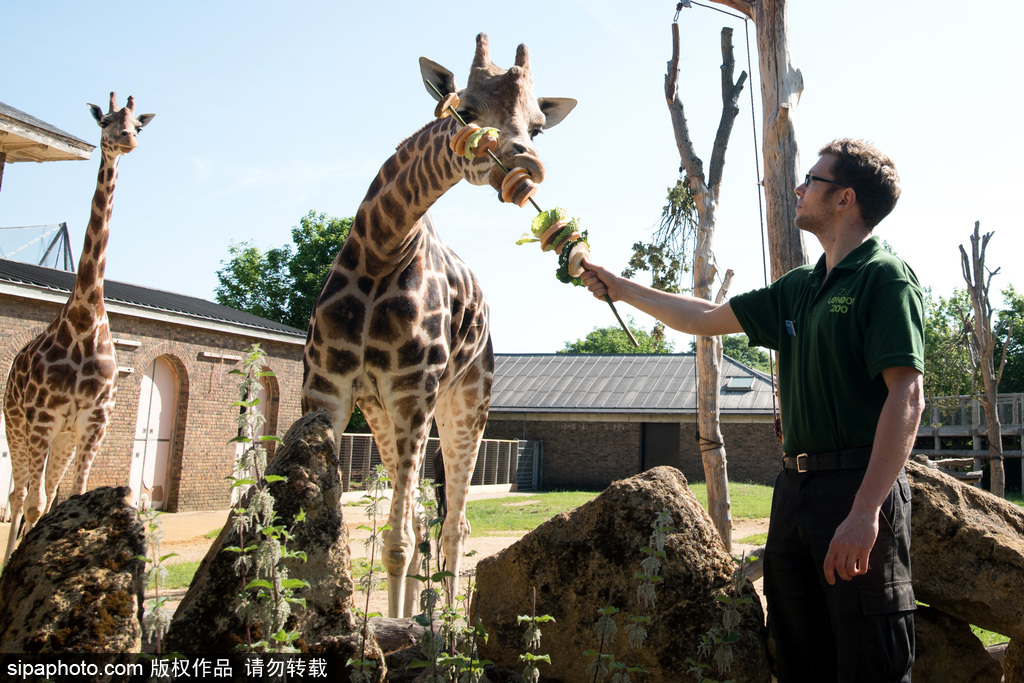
<point>200,455</point>
<point>590,454</point>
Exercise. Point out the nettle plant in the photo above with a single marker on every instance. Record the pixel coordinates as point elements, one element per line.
<point>267,593</point>
<point>364,669</point>
<point>449,644</point>
<point>156,620</point>
<point>715,646</point>
<point>605,663</point>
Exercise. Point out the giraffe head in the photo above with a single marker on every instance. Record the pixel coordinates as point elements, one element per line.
<point>120,126</point>
<point>503,100</point>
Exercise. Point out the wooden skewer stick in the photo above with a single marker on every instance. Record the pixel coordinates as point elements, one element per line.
<point>495,159</point>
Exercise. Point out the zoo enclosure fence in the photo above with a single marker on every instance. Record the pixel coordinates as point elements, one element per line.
<point>515,463</point>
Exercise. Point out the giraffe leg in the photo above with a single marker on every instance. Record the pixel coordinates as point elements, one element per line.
<point>16,501</point>
<point>62,451</point>
<point>461,418</point>
<point>88,447</point>
<point>27,474</point>
<point>401,454</point>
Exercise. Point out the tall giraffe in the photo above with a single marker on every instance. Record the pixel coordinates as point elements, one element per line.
<point>401,326</point>
<point>60,390</point>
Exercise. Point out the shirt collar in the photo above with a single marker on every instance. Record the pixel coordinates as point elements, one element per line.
<point>854,260</point>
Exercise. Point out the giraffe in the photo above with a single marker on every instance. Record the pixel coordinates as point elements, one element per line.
<point>401,327</point>
<point>61,386</point>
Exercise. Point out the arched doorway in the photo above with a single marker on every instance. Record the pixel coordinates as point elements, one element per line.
<point>154,435</point>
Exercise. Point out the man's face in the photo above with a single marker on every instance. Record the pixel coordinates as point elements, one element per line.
<point>815,206</point>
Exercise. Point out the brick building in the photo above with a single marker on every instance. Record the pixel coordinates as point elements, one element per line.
<point>169,433</point>
<point>596,418</point>
<point>600,418</point>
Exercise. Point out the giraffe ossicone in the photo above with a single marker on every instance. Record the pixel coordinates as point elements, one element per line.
<point>61,386</point>
<point>401,326</point>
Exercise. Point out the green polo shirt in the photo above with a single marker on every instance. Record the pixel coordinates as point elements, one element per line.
<point>834,338</point>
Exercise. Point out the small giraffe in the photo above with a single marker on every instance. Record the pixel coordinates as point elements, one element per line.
<point>401,326</point>
<point>60,390</point>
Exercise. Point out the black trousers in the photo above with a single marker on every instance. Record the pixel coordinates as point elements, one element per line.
<point>855,631</point>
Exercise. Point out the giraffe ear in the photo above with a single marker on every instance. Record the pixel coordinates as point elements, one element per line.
<point>440,77</point>
<point>144,119</point>
<point>555,109</point>
<point>97,113</point>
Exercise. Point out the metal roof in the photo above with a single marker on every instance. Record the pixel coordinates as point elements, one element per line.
<point>626,383</point>
<point>23,137</point>
<point>61,282</point>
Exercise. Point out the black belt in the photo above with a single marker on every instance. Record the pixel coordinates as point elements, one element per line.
<point>843,459</point>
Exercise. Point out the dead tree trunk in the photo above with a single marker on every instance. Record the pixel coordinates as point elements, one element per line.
<point>983,339</point>
<point>706,193</point>
<point>781,85</point>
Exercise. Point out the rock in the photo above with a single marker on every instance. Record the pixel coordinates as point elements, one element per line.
<point>585,560</point>
<point>1013,663</point>
<point>74,584</point>
<point>206,620</point>
<point>967,551</point>
<point>948,651</point>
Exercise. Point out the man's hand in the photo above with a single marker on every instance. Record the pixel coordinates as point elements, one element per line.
<point>851,545</point>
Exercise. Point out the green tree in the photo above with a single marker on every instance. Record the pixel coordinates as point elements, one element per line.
<point>283,284</point>
<point>1013,315</point>
<point>665,255</point>
<point>318,239</point>
<point>947,362</point>
<point>614,340</point>
<point>256,282</point>
<point>738,347</point>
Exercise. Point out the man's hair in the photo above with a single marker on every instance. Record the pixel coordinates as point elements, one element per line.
<point>870,173</point>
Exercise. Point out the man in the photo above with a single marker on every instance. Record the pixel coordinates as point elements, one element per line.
<point>850,338</point>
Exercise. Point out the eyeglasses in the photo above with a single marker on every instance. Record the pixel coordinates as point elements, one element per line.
<point>808,178</point>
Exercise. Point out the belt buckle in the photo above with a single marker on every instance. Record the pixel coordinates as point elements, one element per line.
<point>801,461</point>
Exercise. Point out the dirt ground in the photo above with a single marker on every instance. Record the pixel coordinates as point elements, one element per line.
<point>184,535</point>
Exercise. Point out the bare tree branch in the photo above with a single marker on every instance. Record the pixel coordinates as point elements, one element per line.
<point>730,109</point>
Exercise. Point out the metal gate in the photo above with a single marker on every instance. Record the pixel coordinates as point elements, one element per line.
<point>498,461</point>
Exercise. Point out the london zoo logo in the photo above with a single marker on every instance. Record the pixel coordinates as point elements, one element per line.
<point>841,303</point>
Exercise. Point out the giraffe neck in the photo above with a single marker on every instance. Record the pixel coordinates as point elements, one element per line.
<point>92,263</point>
<point>388,222</point>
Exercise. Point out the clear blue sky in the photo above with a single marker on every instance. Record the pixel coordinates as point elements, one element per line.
<point>266,110</point>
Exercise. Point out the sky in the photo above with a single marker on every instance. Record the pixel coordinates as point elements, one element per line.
<point>267,110</point>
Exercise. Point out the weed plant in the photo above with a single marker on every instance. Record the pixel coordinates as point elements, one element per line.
<point>155,619</point>
<point>605,663</point>
<point>715,646</point>
<point>364,669</point>
<point>449,644</point>
<point>531,674</point>
<point>267,593</point>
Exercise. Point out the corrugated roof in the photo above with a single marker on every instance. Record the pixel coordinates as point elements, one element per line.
<point>62,281</point>
<point>627,383</point>
<point>27,138</point>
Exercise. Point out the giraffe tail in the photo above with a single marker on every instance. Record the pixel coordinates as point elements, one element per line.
<point>439,487</point>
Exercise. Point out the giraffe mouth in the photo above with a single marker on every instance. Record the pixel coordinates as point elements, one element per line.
<point>530,163</point>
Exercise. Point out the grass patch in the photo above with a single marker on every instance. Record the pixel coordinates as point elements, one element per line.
<point>988,637</point>
<point>179,575</point>
<point>521,513</point>
<point>756,539</point>
<point>749,501</point>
